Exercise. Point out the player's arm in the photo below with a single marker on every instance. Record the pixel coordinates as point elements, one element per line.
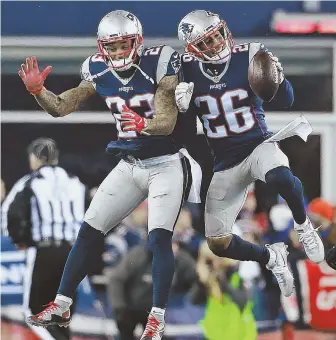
<point>165,108</point>
<point>285,95</point>
<point>163,123</point>
<point>55,105</point>
<point>67,102</point>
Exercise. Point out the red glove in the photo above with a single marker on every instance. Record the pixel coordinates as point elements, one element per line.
<point>131,121</point>
<point>32,77</point>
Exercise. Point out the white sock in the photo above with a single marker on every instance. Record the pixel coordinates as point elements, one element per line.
<point>301,226</point>
<point>63,301</point>
<point>159,313</point>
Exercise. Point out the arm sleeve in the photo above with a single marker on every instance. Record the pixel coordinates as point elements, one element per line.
<point>85,70</point>
<point>285,96</point>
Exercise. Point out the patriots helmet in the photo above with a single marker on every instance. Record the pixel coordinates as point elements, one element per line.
<point>120,26</point>
<point>206,36</point>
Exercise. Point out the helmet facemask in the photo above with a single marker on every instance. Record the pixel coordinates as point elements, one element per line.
<point>121,56</point>
<point>213,47</point>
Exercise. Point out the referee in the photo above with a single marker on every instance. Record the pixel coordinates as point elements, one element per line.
<point>44,211</point>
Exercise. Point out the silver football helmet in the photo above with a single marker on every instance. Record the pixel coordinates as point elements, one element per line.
<point>207,36</point>
<point>119,26</point>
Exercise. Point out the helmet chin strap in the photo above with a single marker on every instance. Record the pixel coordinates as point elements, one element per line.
<point>128,63</point>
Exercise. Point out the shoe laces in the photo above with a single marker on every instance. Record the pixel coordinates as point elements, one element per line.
<point>51,306</point>
<point>308,238</point>
<point>152,326</point>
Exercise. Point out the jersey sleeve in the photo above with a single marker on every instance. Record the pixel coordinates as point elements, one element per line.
<point>85,71</point>
<point>169,63</point>
<point>92,68</point>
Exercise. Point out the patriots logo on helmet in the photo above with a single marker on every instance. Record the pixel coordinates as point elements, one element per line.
<point>210,14</point>
<point>130,16</point>
<point>186,29</point>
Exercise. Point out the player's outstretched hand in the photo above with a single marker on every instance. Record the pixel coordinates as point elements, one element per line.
<point>32,77</point>
<point>331,257</point>
<point>278,65</point>
<point>183,94</point>
<point>131,121</point>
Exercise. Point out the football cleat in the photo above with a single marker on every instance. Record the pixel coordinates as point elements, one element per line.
<point>278,266</point>
<point>53,315</point>
<point>310,241</point>
<point>154,329</point>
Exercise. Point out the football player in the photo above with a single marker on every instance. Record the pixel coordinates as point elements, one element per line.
<point>216,88</point>
<point>138,86</point>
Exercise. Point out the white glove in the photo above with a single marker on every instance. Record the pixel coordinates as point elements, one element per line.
<point>183,94</point>
<point>278,66</point>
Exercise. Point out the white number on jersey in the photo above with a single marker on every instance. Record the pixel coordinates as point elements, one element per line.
<point>240,48</point>
<point>146,99</point>
<point>224,105</point>
<point>155,50</point>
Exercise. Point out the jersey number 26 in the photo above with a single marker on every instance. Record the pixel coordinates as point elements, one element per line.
<point>224,105</point>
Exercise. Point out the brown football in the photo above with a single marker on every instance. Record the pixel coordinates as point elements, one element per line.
<point>263,76</point>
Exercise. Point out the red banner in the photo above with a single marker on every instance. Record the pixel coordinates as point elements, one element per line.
<point>318,289</point>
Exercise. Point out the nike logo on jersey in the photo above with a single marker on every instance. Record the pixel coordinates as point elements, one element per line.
<point>125,89</point>
<point>217,86</point>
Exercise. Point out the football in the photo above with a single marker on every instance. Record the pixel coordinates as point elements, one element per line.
<point>263,76</point>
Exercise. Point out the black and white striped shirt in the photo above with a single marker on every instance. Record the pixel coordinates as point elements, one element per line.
<point>47,205</point>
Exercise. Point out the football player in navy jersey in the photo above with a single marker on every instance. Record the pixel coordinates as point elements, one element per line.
<point>138,87</point>
<point>216,89</point>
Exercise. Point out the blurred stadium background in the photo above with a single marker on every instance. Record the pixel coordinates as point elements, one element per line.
<point>62,34</point>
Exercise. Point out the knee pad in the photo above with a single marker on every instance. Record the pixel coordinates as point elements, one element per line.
<point>279,177</point>
<point>159,238</point>
<point>218,245</point>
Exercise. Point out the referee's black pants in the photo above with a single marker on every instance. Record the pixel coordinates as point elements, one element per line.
<point>44,268</point>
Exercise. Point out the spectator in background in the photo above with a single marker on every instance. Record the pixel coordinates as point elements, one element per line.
<point>188,238</point>
<point>130,286</point>
<point>130,233</point>
<point>322,215</point>
<point>228,313</point>
<point>43,213</point>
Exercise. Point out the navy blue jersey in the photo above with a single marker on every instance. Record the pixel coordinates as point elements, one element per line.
<point>231,114</point>
<point>136,92</point>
